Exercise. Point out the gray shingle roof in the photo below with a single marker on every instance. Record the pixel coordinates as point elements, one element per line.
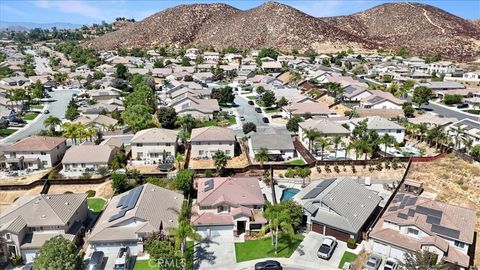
<point>154,135</point>
<point>272,139</point>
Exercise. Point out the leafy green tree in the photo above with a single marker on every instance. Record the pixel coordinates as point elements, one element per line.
<point>158,63</point>
<point>282,102</point>
<point>260,90</point>
<point>137,117</point>
<point>293,123</point>
<point>268,98</point>
<point>71,113</point>
<point>452,99</point>
<point>422,260</point>
<point>167,116</point>
<point>249,127</point>
<point>119,159</point>
<point>159,247</point>
<point>268,52</point>
<point>58,253</point>
<point>402,52</point>
<point>119,182</point>
<point>121,71</point>
<point>408,109</point>
<point>221,160</point>
<point>226,95</point>
<point>185,62</point>
<point>422,95</point>
<point>97,75</point>
<point>187,122</point>
<point>51,122</point>
<point>141,95</point>
<point>184,180</point>
<point>475,152</point>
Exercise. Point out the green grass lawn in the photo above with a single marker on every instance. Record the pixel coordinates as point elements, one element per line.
<point>95,204</point>
<point>252,97</point>
<point>262,248</point>
<point>36,106</point>
<point>272,110</point>
<point>30,116</point>
<point>296,162</point>
<point>146,265</point>
<point>474,111</point>
<point>347,257</point>
<point>7,131</point>
<point>232,120</point>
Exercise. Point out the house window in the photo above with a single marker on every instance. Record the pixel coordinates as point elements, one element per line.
<point>413,231</point>
<point>227,152</point>
<point>44,163</point>
<point>221,208</point>
<point>8,236</point>
<point>43,153</point>
<point>83,165</point>
<point>168,144</point>
<point>399,131</point>
<point>139,144</point>
<point>459,244</point>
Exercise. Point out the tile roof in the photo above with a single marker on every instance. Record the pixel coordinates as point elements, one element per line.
<point>377,123</point>
<point>89,154</point>
<point>272,140</point>
<point>154,135</point>
<point>36,143</point>
<point>325,126</point>
<point>315,108</point>
<point>235,191</point>
<point>215,134</point>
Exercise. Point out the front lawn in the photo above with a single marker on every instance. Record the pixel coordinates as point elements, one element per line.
<point>95,204</point>
<point>232,120</point>
<point>30,116</point>
<point>6,131</point>
<point>296,162</point>
<point>262,248</point>
<point>347,257</point>
<point>251,97</point>
<point>150,265</point>
<point>272,110</point>
<point>36,107</point>
<point>474,111</point>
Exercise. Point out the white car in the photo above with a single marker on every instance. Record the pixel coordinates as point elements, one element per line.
<point>327,248</point>
<point>390,264</point>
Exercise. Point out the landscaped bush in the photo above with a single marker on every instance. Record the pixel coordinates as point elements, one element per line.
<point>208,173</point>
<point>354,170</point>
<point>91,193</point>
<point>351,243</point>
<point>85,176</point>
<point>336,169</point>
<point>15,261</point>
<point>452,99</point>
<point>379,167</point>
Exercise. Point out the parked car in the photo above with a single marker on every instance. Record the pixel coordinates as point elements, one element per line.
<point>123,259</point>
<point>257,109</point>
<point>96,261</point>
<point>46,112</point>
<point>250,102</point>
<point>242,118</point>
<point>462,106</point>
<point>327,248</point>
<point>265,120</point>
<point>28,266</point>
<point>268,265</point>
<point>390,264</point>
<point>373,262</point>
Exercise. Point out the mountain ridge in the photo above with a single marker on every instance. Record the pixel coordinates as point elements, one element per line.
<point>421,28</point>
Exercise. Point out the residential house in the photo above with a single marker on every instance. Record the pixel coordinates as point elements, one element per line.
<point>432,120</point>
<point>206,141</point>
<point>439,86</point>
<point>203,77</point>
<point>191,53</point>
<point>132,216</point>
<point>233,58</point>
<point>32,220</point>
<point>327,128</point>
<point>441,67</point>
<point>465,129</point>
<point>154,144</point>
<point>87,158</point>
<point>228,207</point>
<point>412,223</point>
<point>340,207</point>
<point>473,76</point>
<point>316,109</point>
<point>100,122</point>
<point>272,66</point>
<point>381,100</point>
<point>82,69</point>
<point>211,56</point>
<point>278,143</point>
<point>414,60</point>
<point>199,108</point>
<point>35,152</point>
<point>382,126</point>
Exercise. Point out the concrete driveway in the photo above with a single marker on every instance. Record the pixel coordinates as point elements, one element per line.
<point>215,253</point>
<point>307,251</point>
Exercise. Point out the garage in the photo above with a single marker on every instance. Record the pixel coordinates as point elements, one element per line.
<point>29,255</point>
<point>214,231</point>
<point>111,249</point>
<point>341,236</point>
<point>397,253</point>
<point>380,248</point>
<point>318,228</point>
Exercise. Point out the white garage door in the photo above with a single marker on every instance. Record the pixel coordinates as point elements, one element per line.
<point>213,231</point>
<point>111,250</point>
<point>380,248</point>
<point>30,256</point>
<point>397,253</point>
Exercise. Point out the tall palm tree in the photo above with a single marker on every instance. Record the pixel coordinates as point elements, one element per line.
<point>179,158</point>
<point>321,143</point>
<point>387,140</point>
<point>221,160</point>
<point>468,142</point>
<point>336,140</point>
<point>458,132</point>
<point>422,130</point>
<point>311,134</point>
<point>52,122</point>
<point>70,132</point>
<point>364,148</point>
<point>348,148</point>
<point>280,221</point>
<point>184,229</point>
<point>262,155</point>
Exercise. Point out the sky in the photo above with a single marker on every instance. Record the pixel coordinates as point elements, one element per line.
<point>89,11</point>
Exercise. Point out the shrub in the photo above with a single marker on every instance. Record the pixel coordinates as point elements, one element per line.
<point>91,193</point>
<point>319,169</point>
<point>327,168</point>
<point>102,171</point>
<point>370,168</point>
<point>336,169</point>
<point>54,175</point>
<point>344,168</point>
<point>15,261</point>
<point>85,176</point>
<point>452,99</point>
<point>351,243</point>
<point>249,127</point>
<point>161,182</point>
<point>290,173</point>
<point>354,170</point>
<point>208,173</point>
<point>379,166</point>
<point>280,175</point>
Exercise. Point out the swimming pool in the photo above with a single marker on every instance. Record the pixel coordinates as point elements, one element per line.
<point>288,193</point>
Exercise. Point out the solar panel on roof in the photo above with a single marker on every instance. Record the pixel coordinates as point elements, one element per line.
<point>411,201</point>
<point>318,189</point>
<point>402,215</point>
<point>127,203</point>
<point>428,211</point>
<point>208,185</point>
<point>433,220</point>
<point>411,212</point>
<point>392,208</point>
<point>445,231</point>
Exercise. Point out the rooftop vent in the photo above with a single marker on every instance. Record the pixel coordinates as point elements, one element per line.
<point>67,203</point>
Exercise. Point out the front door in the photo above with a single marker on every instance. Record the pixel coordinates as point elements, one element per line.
<point>240,227</point>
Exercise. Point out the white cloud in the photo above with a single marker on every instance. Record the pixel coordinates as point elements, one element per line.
<point>81,8</point>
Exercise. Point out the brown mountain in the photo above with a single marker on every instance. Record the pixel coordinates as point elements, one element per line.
<point>421,28</point>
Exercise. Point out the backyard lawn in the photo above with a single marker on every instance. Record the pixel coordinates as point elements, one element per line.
<point>347,257</point>
<point>30,116</point>
<point>296,162</point>
<point>6,131</point>
<point>252,97</point>
<point>95,204</point>
<point>262,248</point>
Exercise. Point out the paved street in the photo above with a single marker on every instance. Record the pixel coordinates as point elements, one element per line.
<point>446,111</point>
<point>57,108</point>
<point>42,66</point>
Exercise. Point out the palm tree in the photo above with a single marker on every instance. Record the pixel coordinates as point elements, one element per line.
<point>321,143</point>
<point>348,148</point>
<point>387,140</point>
<point>363,147</point>
<point>311,134</point>
<point>70,132</point>
<point>221,160</point>
<point>52,122</point>
<point>179,159</point>
<point>89,132</point>
<point>183,231</point>
<point>187,123</point>
<point>336,141</point>
<point>280,221</point>
<point>468,142</point>
<point>262,156</point>
<point>458,132</point>
<point>422,130</point>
